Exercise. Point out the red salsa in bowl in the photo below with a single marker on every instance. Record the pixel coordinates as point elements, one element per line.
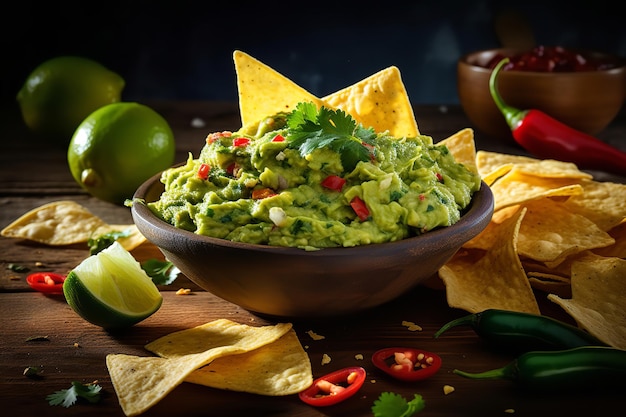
<point>553,59</point>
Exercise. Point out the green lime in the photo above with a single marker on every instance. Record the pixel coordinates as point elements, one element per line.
<point>119,146</point>
<point>62,91</point>
<point>111,290</point>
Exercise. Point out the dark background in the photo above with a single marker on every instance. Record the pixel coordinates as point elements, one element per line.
<point>183,49</point>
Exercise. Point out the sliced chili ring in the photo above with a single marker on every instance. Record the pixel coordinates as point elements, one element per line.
<point>47,282</point>
<point>407,364</point>
<point>345,382</point>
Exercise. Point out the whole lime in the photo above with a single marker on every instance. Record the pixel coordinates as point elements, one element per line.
<point>58,95</point>
<point>117,147</point>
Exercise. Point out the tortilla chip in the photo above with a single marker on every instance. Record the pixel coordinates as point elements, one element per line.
<point>618,249</point>
<point>133,239</point>
<point>604,203</point>
<point>563,267</point>
<point>517,187</point>
<point>561,272</point>
<point>597,302</point>
<point>487,238</point>
<point>548,168</point>
<point>462,146</point>
<point>379,101</point>
<point>487,162</point>
<point>571,222</point>
<point>550,286</point>
<point>495,280</point>
<point>492,176</point>
<point>550,232</point>
<point>264,92</point>
<point>548,276</point>
<point>276,369</point>
<point>56,223</point>
<point>549,282</point>
<point>141,382</point>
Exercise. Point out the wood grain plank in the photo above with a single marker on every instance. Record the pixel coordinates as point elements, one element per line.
<point>76,350</point>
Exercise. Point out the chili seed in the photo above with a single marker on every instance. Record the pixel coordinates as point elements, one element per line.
<point>352,377</point>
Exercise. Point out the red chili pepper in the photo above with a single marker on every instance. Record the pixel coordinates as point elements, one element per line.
<point>407,364</point>
<point>360,208</point>
<point>241,141</point>
<point>278,138</point>
<point>203,171</point>
<point>335,387</point>
<point>333,182</point>
<point>47,282</point>
<point>546,137</point>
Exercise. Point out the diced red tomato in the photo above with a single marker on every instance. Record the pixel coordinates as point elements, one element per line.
<point>333,182</point>
<point>360,208</point>
<point>278,138</point>
<point>203,171</point>
<point>212,137</point>
<point>241,142</point>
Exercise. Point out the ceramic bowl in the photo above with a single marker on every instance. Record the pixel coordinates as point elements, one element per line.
<point>587,101</point>
<point>294,283</point>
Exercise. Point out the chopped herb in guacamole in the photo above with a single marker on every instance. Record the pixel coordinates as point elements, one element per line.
<point>314,178</point>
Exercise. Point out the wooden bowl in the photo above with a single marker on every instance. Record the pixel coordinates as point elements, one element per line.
<point>291,282</point>
<point>587,101</point>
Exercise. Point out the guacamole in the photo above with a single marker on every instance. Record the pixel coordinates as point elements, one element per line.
<point>314,178</point>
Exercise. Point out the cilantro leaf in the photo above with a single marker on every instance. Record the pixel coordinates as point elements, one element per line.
<point>161,272</point>
<point>102,242</point>
<point>32,371</point>
<point>17,268</point>
<point>310,129</point>
<point>390,404</point>
<point>68,397</point>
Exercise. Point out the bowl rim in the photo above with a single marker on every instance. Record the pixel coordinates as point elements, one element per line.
<point>473,220</point>
<point>620,61</point>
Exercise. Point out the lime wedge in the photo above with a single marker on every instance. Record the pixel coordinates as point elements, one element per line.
<point>111,290</point>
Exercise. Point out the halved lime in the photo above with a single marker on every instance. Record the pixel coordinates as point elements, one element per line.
<point>111,290</point>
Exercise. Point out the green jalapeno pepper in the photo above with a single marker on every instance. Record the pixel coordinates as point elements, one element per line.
<point>524,331</point>
<point>587,367</point>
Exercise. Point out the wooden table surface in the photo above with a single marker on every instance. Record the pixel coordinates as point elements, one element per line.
<point>34,172</point>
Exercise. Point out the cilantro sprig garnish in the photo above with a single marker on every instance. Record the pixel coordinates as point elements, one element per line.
<point>310,129</point>
<point>100,243</point>
<point>161,272</point>
<point>390,404</point>
<point>68,397</point>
